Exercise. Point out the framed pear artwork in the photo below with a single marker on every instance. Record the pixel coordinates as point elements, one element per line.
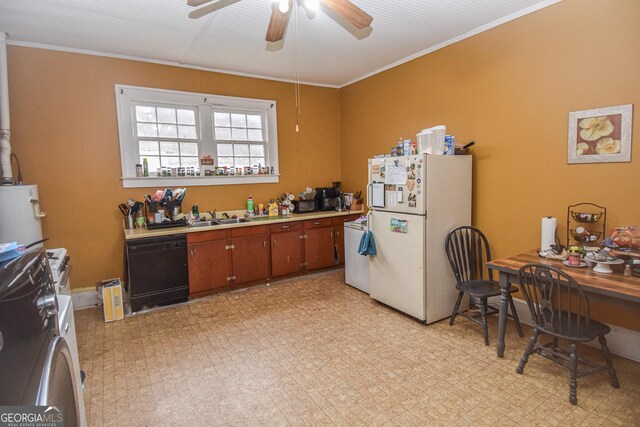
<point>601,135</point>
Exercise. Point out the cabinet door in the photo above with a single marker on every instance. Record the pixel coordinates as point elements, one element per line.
<point>250,258</point>
<point>338,232</point>
<point>209,266</point>
<point>286,253</point>
<point>319,248</point>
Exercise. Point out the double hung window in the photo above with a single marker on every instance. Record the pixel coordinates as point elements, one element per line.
<point>179,134</point>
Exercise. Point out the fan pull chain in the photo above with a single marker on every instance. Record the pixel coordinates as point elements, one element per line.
<point>297,75</point>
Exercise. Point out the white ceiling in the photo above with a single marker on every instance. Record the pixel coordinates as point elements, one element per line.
<point>330,51</point>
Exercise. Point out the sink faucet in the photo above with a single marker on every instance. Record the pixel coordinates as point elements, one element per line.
<point>213,214</point>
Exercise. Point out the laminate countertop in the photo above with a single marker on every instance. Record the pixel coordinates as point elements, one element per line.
<point>141,233</point>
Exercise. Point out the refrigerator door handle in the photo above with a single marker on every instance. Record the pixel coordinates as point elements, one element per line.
<point>369,196</point>
<point>36,208</point>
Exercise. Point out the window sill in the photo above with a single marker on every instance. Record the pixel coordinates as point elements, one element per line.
<point>195,181</point>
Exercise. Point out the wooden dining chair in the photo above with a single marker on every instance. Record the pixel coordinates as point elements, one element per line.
<point>468,250</point>
<point>560,308</point>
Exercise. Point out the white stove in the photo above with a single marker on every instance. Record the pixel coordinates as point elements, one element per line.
<point>60,269</point>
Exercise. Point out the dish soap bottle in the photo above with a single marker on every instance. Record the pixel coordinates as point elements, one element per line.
<point>195,212</point>
<point>250,204</point>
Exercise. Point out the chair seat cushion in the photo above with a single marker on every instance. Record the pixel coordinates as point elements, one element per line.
<point>482,288</point>
<point>561,328</point>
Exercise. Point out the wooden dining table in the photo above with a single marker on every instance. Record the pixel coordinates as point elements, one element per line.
<point>612,288</point>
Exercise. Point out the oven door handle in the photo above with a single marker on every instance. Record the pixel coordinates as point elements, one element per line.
<point>64,279</point>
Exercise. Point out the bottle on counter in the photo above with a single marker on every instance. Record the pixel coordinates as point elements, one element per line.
<point>145,167</point>
<point>138,170</point>
<point>250,204</point>
<point>195,211</point>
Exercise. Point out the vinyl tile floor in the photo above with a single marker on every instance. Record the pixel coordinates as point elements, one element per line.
<point>314,351</point>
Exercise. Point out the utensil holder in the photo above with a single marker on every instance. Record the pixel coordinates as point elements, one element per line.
<point>128,222</point>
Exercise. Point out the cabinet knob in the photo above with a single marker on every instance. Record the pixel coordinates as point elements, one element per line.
<point>191,252</point>
<point>274,243</point>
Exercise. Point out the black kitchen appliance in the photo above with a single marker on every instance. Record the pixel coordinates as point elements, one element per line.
<point>35,361</point>
<point>328,198</point>
<point>304,206</point>
<point>157,271</point>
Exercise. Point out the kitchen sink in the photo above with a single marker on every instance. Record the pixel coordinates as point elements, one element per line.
<point>203,224</point>
<point>231,220</point>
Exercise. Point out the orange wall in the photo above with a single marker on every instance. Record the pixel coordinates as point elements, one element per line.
<point>65,131</point>
<point>511,89</point>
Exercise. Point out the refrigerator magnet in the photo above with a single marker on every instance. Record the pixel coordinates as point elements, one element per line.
<point>398,226</point>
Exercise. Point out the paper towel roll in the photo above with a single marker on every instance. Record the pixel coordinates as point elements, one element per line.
<point>548,235</point>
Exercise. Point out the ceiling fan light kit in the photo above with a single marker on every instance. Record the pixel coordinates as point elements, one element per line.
<point>281,9</point>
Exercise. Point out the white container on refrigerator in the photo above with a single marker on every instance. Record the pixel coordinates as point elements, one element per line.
<point>20,214</point>
<point>415,201</point>
<point>356,266</point>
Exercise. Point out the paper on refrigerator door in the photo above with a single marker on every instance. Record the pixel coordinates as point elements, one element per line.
<point>377,195</point>
<point>395,175</point>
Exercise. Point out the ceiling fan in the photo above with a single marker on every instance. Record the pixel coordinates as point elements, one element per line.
<point>281,9</point>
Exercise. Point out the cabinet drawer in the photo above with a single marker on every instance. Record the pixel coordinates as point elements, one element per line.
<point>317,223</point>
<point>249,231</point>
<point>289,226</point>
<point>206,236</point>
<point>341,220</point>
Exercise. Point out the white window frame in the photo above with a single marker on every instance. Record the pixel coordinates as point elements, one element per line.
<point>129,96</point>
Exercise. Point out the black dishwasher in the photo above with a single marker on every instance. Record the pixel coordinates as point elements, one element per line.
<point>157,271</point>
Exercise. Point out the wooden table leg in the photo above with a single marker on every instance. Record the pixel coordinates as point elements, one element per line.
<point>502,316</point>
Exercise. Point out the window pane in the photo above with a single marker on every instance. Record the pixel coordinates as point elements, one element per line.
<point>238,134</point>
<point>256,150</point>
<point>145,129</point>
<point>241,150</point>
<point>225,161</point>
<point>145,114</point>
<point>187,132</point>
<point>186,117</point>
<point>242,161</point>
<point>172,162</point>
<point>169,148</point>
<point>221,119</point>
<point>190,161</point>
<point>148,148</point>
<point>153,162</point>
<point>223,134</point>
<point>225,150</point>
<point>239,120</point>
<point>166,115</point>
<point>255,135</point>
<point>255,161</point>
<point>254,121</point>
<point>188,149</point>
<point>168,131</point>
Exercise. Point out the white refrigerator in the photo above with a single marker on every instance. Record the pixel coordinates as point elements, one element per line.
<point>414,202</point>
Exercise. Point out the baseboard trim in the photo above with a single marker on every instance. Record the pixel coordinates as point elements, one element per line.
<point>621,341</point>
<point>84,298</point>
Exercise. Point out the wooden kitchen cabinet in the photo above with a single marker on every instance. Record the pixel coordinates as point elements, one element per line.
<point>209,266</point>
<point>319,248</point>
<point>319,244</point>
<point>287,249</point>
<point>250,258</point>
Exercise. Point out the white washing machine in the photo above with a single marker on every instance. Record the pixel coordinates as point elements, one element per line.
<point>356,266</point>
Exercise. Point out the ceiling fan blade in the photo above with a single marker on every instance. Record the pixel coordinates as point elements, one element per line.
<point>349,11</point>
<point>210,8</point>
<point>196,3</point>
<point>278,23</point>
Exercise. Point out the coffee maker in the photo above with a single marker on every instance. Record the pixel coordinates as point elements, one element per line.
<point>329,198</point>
